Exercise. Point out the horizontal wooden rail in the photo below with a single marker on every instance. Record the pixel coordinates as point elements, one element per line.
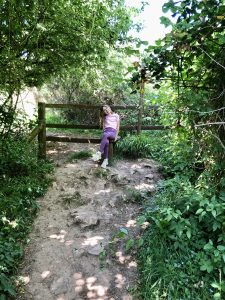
<point>35,132</point>
<point>67,139</point>
<point>144,127</point>
<point>89,106</point>
<point>125,127</point>
<point>71,126</point>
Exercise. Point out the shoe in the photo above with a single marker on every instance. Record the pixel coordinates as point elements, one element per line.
<point>97,156</point>
<point>105,163</point>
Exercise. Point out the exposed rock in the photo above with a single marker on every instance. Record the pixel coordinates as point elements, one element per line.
<point>95,250</point>
<point>149,176</point>
<point>147,166</point>
<point>82,175</point>
<point>54,184</point>
<point>77,253</point>
<point>139,171</point>
<point>120,179</point>
<point>144,187</point>
<point>85,217</point>
<point>115,200</point>
<point>59,286</point>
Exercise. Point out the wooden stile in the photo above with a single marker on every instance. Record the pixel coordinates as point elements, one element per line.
<point>40,130</point>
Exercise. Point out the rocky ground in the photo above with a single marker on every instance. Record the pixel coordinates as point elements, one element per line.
<point>88,217</point>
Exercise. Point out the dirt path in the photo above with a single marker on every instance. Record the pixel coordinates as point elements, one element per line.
<point>69,257</point>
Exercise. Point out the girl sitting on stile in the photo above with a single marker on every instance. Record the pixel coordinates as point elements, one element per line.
<point>111,123</point>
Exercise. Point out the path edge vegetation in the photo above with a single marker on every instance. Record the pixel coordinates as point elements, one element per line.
<point>183,255</point>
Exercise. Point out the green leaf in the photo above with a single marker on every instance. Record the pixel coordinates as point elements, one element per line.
<point>214,213</point>
<point>145,43</point>
<point>165,21</point>
<point>217,296</point>
<point>215,285</point>
<point>200,210</point>
<point>140,242</point>
<point>130,69</point>
<point>129,244</point>
<point>124,230</point>
<point>216,225</point>
<point>6,284</point>
<point>208,246</point>
<point>221,248</point>
<point>207,266</point>
<point>188,233</point>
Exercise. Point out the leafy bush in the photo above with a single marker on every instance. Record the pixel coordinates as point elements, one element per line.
<point>188,220</point>
<point>183,256</point>
<point>136,146</point>
<point>23,179</point>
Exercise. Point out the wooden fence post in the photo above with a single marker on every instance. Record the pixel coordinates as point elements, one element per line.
<point>42,132</point>
<point>141,104</point>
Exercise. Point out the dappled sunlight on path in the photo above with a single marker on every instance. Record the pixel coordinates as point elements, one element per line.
<point>75,252</point>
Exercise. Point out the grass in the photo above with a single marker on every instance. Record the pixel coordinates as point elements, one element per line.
<point>100,173</point>
<point>168,274</point>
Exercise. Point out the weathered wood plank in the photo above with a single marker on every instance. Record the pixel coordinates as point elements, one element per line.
<point>88,106</point>
<point>72,126</point>
<point>67,139</point>
<point>124,127</point>
<point>34,132</point>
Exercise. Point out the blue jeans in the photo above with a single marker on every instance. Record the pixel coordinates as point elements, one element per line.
<point>107,134</point>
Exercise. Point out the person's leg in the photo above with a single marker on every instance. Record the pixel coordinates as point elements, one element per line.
<point>104,146</point>
<point>109,133</point>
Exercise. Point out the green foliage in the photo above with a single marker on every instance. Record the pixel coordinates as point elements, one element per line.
<point>134,146</point>
<point>100,173</point>
<point>92,85</point>
<point>183,252</point>
<point>18,206</point>
<point>23,179</point>
<point>188,219</point>
<point>166,273</point>
<point>41,38</point>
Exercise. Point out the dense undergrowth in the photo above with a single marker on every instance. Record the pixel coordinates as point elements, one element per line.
<point>23,179</point>
<point>183,253</point>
